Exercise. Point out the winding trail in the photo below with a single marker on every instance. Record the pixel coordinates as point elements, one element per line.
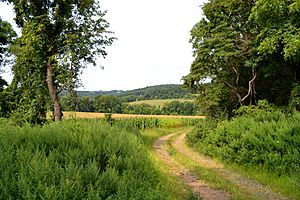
<point>198,186</point>
<point>252,188</point>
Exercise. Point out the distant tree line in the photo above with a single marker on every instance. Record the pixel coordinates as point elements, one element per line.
<point>113,104</point>
<point>156,92</point>
<point>170,91</point>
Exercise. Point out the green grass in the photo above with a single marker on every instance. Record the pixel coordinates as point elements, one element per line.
<point>76,159</point>
<point>286,185</point>
<point>209,176</point>
<point>149,136</point>
<point>159,102</point>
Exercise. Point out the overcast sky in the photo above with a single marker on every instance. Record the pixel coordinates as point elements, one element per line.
<point>152,47</point>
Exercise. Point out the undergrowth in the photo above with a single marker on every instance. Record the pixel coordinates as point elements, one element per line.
<point>267,141</point>
<point>78,159</point>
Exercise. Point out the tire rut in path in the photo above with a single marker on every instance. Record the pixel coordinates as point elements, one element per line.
<point>254,188</point>
<point>198,186</point>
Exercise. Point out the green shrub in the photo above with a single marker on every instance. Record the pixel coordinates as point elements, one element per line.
<point>268,140</point>
<point>83,159</point>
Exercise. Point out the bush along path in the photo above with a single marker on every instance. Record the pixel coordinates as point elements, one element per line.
<point>235,185</point>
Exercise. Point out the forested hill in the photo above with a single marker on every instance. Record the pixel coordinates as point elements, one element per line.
<point>172,91</point>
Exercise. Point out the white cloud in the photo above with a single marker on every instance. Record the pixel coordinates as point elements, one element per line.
<point>153,43</point>
<point>152,47</point>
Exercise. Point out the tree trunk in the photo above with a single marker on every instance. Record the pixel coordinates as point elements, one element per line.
<point>57,114</point>
<point>251,88</point>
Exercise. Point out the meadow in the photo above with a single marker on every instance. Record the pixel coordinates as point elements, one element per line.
<point>110,156</point>
<point>75,159</point>
<point>83,159</point>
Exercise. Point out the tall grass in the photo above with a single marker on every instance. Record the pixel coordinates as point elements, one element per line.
<point>78,159</point>
<point>270,141</point>
<point>267,142</point>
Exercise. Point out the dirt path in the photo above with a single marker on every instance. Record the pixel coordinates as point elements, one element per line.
<point>252,187</point>
<point>198,186</point>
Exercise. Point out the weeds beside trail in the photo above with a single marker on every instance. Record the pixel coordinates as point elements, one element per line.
<point>76,160</point>
<point>208,178</point>
<point>198,186</point>
<point>265,146</point>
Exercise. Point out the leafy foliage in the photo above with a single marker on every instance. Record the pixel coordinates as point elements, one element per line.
<point>265,140</point>
<point>156,92</point>
<point>179,108</point>
<point>295,98</point>
<point>7,35</point>
<point>59,39</point>
<point>75,160</point>
<point>77,103</point>
<point>249,50</point>
<point>108,104</point>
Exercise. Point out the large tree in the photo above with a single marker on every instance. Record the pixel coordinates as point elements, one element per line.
<point>248,49</point>
<point>108,104</point>
<point>222,43</point>
<point>7,35</point>
<point>59,38</point>
<point>278,46</point>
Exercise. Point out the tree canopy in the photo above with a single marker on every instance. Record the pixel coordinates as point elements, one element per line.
<point>248,49</point>
<point>7,35</point>
<point>59,39</point>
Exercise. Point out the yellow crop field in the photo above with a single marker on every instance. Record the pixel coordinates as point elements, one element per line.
<point>159,102</point>
<point>90,115</point>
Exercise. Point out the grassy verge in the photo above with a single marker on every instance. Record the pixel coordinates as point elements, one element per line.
<point>264,147</point>
<point>207,175</point>
<point>77,159</point>
<point>286,185</point>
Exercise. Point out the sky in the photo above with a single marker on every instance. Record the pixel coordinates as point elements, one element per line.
<point>152,48</point>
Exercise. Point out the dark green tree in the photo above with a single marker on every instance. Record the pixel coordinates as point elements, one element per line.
<point>59,39</point>
<point>222,46</point>
<point>179,108</point>
<point>7,35</point>
<point>249,50</point>
<point>108,104</point>
<point>278,47</point>
<point>86,104</point>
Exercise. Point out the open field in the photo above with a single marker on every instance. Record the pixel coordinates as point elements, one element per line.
<point>90,115</point>
<point>159,102</point>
